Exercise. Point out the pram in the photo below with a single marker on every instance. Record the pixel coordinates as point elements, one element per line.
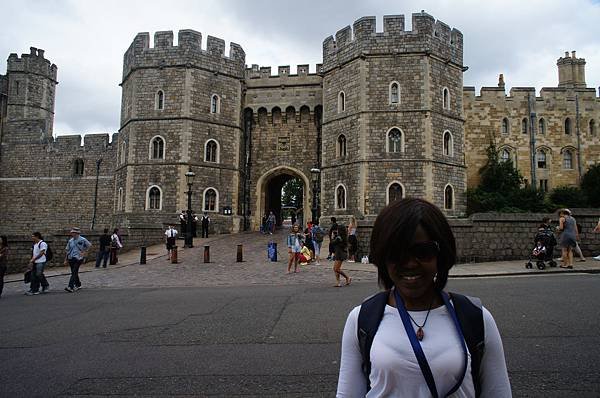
<point>544,256</point>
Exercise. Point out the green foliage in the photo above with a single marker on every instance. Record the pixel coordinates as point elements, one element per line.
<point>291,193</point>
<point>497,175</point>
<point>568,197</point>
<point>590,185</point>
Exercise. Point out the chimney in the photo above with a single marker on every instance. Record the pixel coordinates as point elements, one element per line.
<point>571,71</point>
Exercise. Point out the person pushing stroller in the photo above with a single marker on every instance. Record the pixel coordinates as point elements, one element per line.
<point>544,247</point>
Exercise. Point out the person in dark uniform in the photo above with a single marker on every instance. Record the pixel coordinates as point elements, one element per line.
<point>205,222</point>
<point>183,222</point>
<point>104,249</point>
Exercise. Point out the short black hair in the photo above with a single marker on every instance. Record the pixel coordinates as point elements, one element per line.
<point>37,235</point>
<point>394,231</point>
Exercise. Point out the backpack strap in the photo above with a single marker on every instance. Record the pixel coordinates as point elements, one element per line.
<point>369,317</point>
<point>470,316</point>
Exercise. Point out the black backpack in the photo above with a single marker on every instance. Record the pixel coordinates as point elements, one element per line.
<point>468,312</point>
<point>49,254</point>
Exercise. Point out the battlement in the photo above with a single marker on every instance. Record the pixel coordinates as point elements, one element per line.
<point>187,52</point>
<point>493,94</point>
<point>34,62</point>
<point>427,35</point>
<point>264,72</point>
<point>88,142</point>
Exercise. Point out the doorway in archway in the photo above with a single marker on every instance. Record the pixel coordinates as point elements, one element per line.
<point>284,196</point>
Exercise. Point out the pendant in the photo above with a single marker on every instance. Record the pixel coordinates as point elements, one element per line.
<point>420,334</point>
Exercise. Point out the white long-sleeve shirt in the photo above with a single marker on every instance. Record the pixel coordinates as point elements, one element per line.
<point>395,371</point>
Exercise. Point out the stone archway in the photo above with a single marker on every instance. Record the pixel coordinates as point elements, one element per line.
<point>268,193</point>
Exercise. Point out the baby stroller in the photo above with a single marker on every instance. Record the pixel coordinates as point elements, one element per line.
<point>542,255</point>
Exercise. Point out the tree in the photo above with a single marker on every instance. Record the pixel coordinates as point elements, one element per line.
<point>291,193</point>
<point>568,197</point>
<point>590,185</point>
<point>497,175</point>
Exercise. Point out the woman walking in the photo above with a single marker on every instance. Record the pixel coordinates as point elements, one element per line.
<point>3,260</point>
<point>340,250</point>
<point>115,246</point>
<point>352,241</point>
<point>568,237</point>
<point>294,243</point>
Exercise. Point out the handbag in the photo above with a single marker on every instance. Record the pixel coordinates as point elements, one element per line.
<point>27,277</point>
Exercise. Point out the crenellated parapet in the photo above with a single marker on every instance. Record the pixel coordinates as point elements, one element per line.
<point>427,36</point>
<point>187,53</point>
<point>495,94</point>
<point>34,62</point>
<point>265,72</point>
<point>88,143</point>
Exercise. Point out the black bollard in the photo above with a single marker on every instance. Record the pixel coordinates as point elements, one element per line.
<point>240,256</point>
<point>207,254</point>
<point>143,255</point>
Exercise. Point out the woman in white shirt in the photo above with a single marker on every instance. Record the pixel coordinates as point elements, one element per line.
<point>419,348</point>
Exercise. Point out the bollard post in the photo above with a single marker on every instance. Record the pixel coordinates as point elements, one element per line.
<point>174,255</point>
<point>207,254</point>
<point>143,255</point>
<point>240,256</point>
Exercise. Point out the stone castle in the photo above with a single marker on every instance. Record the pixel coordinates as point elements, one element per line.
<point>384,116</point>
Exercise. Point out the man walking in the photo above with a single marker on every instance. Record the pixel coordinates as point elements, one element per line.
<point>104,250</point>
<point>37,263</point>
<point>76,250</point>
<point>205,222</point>
<point>170,237</point>
<point>271,221</point>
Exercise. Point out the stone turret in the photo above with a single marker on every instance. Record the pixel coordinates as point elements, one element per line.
<point>571,71</point>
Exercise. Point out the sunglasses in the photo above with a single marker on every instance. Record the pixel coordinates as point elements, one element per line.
<point>422,252</point>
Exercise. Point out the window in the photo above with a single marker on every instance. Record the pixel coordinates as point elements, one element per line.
<point>341,102</point>
<point>592,127</point>
<point>567,159</point>
<point>123,152</point>
<point>17,88</point>
<point>340,197</point>
<point>505,155</point>
<point>394,93</point>
<point>210,200</point>
<point>78,168</point>
<point>505,126</point>
<point>544,185</point>
<point>395,141</point>
<point>541,159</point>
<point>341,146</point>
<point>448,197</point>
<point>395,192</point>
<point>154,198</point>
<point>276,114</point>
<point>524,126</point>
<point>157,148</point>
<point>568,125</point>
<point>446,98</point>
<point>448,149</point>
<point>120,200</point>
<point>215,104</point>
<point>542,124</point>
<point>211,151</point>
<point>159,103</point>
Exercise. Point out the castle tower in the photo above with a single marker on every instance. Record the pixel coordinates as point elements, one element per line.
<point>30,93</point>
<point>181,110</point>
<point>571,71</point>
<point>392,123</point>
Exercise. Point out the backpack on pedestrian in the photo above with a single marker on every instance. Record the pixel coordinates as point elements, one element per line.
<point>319,234</point>
<point>49,254</point>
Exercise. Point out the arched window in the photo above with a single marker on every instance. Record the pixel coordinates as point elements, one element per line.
<point>394,93</point>
<point>341,146</point>
<point>395,140</point>
<point>524,126</point>
<point>505,126</point>
<point>340,197</point>
<point>592,127</point>
<point>446,98</point>
<point>541,159</point>
<point>448,149</point>
<point>211,151</point>
<point>542,126</point>
<point>395,192</point>
<point>505,155</point>
<point>215,104</point>
<point>159,102</point>
<point>448,197</point>
<point>341,102</point>
<point>210,200</point>
<point>567,159</point>
<point>568,125</point>
<point>78,168</point>
<point>262,116</point>
<point>290,114</point>
<point>120,200</point>
<point>154,198</point>
<point>276,113</point>
<point>157,148</point>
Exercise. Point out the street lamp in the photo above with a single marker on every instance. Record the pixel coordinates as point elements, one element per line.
<point>315,172</point>
<point>189,179</point>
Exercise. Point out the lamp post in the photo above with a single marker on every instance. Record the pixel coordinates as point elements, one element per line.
<point>315,172</point>
<point>189,178</point>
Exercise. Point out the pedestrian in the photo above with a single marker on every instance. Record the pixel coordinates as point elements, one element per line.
<point>317,238</point>
<point>597,230</point>
<point>37,264</point>
<point>183,222</point>
<point>263,224</point>
<point>205,222</point>
<point>411,340</point>
<point>352,241</point>
<point>103,250</point>
<point>195,226</point>
<point>170,240</point>
<point>340,250</point>
<point>3,260</point>
<point>308,240</point>
<point>116,244</point>
<point>271,221</point>
<point>568,237</point>
<point>76,251</point>
<point>294,243</point>
<point>304,257</point>
<point>577,249</point>
<point>332,228</point>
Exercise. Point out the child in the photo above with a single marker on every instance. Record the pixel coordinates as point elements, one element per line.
<point>539,250</point>
<point>304,256</point>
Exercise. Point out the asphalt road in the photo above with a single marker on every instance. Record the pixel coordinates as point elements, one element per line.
<point>270,340</point>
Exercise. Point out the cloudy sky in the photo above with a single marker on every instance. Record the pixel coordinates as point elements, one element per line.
<point>87,39</point>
